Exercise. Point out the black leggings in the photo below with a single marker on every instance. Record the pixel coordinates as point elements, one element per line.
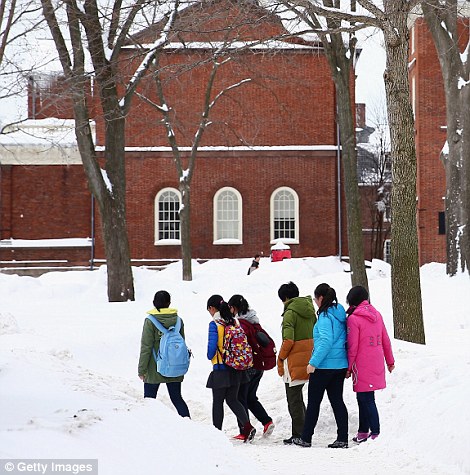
<point>230,395</point>
<point>174,391</point>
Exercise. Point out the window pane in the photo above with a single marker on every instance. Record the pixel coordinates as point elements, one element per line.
<point>227,215</point>
<point>168,215</point>
<point>284,215</point>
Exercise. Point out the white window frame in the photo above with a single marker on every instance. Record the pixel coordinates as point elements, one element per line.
<point>165,242</point>
<point>295,239</point>
<point>228,241</point>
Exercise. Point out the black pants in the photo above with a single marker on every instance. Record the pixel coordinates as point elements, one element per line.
<point>331,381</point>
<point>230,396</point>
<point>247,396</point>
<point>174,391</point>
<point>296,407</point>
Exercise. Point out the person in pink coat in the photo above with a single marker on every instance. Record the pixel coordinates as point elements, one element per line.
<point>368,346</point>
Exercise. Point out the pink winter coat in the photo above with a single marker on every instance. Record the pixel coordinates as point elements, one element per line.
<point>368,345</point>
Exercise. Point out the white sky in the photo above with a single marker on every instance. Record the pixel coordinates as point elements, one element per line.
<point>69,385</point>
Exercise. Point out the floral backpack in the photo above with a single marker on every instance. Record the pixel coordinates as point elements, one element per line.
<point>237,352</point>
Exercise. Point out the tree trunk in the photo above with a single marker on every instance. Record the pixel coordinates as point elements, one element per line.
<point>406,287</point>
<point>442,21</point>
<point>185,221</point>
<point>340,60</point>
<point>351,188</point>
<point>113,215</point>
<point>112,203</point>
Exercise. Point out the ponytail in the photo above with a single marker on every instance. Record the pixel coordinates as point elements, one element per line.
<point>240,303</point>
<point>329,297</point>
<point>222,307</point>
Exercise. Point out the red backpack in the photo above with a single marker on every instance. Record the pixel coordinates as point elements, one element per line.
<point>266,347</point>
<point>237,352</point>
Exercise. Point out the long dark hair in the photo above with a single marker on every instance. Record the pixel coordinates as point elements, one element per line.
<point>355,296</point>
<point>240,303</point>
<point>329,297</point>
<point>222,307</point>
<point>161,299</point>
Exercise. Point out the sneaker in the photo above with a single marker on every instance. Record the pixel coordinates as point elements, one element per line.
<point>337,444</point>
<point>288,441</point>
<point>268,429</point>
<point>239,437</point>
<point>373,436</point>
<point>248,432</point>
<point>361,437</point>
<point>250,436</point>
<point>300,442</point>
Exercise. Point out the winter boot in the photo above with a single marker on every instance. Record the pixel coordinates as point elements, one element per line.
<point>337,444</point>
<point>301,443</point>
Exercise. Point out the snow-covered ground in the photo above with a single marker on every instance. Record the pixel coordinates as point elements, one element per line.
<point>69,385</point>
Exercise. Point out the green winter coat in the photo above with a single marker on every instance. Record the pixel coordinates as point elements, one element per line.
<point>151,340</point>
<point>298,320</point>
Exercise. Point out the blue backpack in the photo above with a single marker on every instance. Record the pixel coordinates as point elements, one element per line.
<point>173,355</point>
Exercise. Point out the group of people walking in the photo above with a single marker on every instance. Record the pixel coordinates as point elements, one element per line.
<point>322,348</point>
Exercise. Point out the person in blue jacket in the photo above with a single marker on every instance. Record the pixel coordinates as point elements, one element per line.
<point>327,367</point>
<point>224,380</point>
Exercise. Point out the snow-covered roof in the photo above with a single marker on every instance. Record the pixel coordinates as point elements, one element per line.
<point>40,142</point>
<point>220,45</point>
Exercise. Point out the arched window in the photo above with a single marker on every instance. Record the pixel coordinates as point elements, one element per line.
<point>228,216</point>
<point>167,218</point>
<point>285,216</point>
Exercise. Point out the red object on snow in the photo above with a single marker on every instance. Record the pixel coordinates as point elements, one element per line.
<point>280,254</point>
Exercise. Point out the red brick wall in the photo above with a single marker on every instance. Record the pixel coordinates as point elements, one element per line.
<point>52,97</point>
<point>430,138</point>
<point>44,202</point>
<point>255,175</point>
<point>44,257</point>
<point>289,101</point>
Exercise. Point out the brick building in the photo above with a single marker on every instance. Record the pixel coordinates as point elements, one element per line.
<point>267,168</point>
<point>428,100</point>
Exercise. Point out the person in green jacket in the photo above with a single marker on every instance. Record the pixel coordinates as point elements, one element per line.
<point>298,320</point>
<point>150,341</point>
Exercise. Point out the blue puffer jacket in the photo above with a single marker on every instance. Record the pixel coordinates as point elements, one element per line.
<point>329,339</point>
<point>215,344</point>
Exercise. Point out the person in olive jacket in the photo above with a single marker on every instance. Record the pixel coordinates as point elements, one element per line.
<point>151,340</point>
<point>298,320</point>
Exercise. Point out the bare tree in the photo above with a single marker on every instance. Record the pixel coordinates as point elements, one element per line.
<point>185,174</point>
<point>374,172</point>
<point>443,19</point>
<point>406,286</point>
<point>7,14</point>
<point>103,32</point>
<point>340,51</point>
<point>18,19</point>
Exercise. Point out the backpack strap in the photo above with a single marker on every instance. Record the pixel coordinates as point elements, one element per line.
<point>176,326</point>
<point>157,323</point>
